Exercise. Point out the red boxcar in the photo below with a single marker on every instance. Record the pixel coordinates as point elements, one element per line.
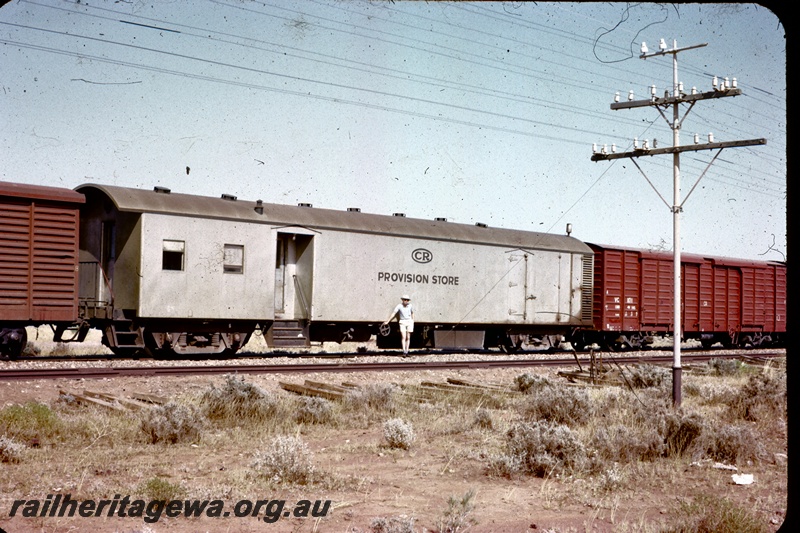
<point>732,301</point>
<point>38,260</point>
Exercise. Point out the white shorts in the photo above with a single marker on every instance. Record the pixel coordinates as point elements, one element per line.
<point>406,326</point>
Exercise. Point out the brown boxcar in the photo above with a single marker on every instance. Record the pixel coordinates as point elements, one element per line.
<point>732,301</point>
<point>38,260</point>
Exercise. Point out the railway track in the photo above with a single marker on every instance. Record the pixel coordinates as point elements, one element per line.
<point>343,365</point>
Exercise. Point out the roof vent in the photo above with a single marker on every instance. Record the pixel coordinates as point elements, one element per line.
<point>304,204</point>
<point>398,214</point>
<point>481,225</point>
<point>259,208</point>
<point>230,197</point>
<point>354,209</point>
<point>440,219</point>
<point>162,190</point>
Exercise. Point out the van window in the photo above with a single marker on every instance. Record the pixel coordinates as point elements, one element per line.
<point>233,259</point>
<point>172,257</point>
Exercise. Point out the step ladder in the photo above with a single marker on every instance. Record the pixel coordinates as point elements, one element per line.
<point>288,334</point>
<point>122,336</point>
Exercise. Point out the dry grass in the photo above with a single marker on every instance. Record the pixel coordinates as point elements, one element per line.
<point>592,448</point>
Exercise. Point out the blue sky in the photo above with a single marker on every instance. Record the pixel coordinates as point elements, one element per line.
<point>473,111</point>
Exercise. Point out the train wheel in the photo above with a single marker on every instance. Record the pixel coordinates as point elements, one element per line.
<point>14,343</point>
<point>511,344</point>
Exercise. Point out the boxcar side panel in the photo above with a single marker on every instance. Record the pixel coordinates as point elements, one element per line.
<point>705,301</point>
<point>727,298</point>
<point>360,277</point>
<point>15,259</point>
<point>657,294</point>
<point>205,268</point>
<point>38,261</point>
<point>780,298</point>
<point>691,296</point>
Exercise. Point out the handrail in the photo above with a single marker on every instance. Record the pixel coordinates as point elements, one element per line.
<point>303,300</point>
<point>106,282</point>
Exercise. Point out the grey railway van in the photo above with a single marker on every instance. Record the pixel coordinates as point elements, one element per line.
<point>169,272</point>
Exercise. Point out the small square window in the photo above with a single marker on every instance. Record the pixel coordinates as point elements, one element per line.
<point>172,255</point>
<point>233,259</point>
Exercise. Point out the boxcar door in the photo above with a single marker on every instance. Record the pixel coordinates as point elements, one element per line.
<point>517,286</point>
<point>294,265</point>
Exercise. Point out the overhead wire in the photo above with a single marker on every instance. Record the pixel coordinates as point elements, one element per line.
<point>439,117</point>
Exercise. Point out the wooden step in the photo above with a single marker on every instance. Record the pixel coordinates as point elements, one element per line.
<point>288,334</point>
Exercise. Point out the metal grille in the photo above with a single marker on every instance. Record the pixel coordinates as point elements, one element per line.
<point>15,221</point>
<point>38,262</point>
<point>587,288</point>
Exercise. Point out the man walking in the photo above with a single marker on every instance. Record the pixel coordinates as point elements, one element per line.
<point>405,317</point>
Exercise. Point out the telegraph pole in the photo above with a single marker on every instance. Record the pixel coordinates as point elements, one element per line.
<point>720,90</point>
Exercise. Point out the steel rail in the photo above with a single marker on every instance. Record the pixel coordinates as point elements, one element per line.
<point>403,365</point>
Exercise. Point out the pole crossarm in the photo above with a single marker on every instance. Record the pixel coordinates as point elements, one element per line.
<point>678,149</point>
<point>674,51</point>
<point>671,100</point>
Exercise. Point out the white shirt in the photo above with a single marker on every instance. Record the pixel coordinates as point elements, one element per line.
<point>404,312</point>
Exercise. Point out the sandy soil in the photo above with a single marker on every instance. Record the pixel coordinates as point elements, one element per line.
<point>372,480</point>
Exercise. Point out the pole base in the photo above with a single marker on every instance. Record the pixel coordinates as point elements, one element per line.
<point>676,386</point>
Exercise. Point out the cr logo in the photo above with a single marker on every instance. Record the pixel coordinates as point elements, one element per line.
<point>421,255</point>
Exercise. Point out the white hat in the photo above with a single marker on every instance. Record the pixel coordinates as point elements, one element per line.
<point>405,297</point>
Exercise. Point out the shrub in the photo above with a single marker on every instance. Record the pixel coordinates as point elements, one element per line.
<point>762,397</point>
<point>395,524</point>
<point>725,367</point>
<point>712,393</point>
<point>528,383</point>
<point>710,513</point>
<point>483,419</point>
<point>505,465</point>
<point>633,408</point>
<point>645,376</point>
<point>733,445</point>
<point>314,410</point>
<point>611,479</point>
<point>171,423</point>
<point>286,460</point>
<point>680,432</point>
<point>238,400</point>
<point>160,489</point>
<point>31,421</point>
<point>545,448</point>
<point>398,433</point>
<point>380,398</point>
<point>624,444</point>
<point>456,518</point>
<point>10,450</point>
<point>562,405</point>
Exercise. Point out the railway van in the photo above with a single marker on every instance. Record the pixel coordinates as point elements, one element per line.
<point>38,261</point>
<point>734,302</point>
<point>178,273</point>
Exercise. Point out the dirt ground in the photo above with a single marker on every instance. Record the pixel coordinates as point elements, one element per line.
<point>368,480</point>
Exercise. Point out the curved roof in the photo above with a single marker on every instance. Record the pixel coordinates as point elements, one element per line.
<point>151,201</point>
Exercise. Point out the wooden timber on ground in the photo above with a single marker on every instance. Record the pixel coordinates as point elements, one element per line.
<point>487,386</point>
<point>114,402</point>
<point>422,392</point>
<point>308,390</point>
<point>591,378</point>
